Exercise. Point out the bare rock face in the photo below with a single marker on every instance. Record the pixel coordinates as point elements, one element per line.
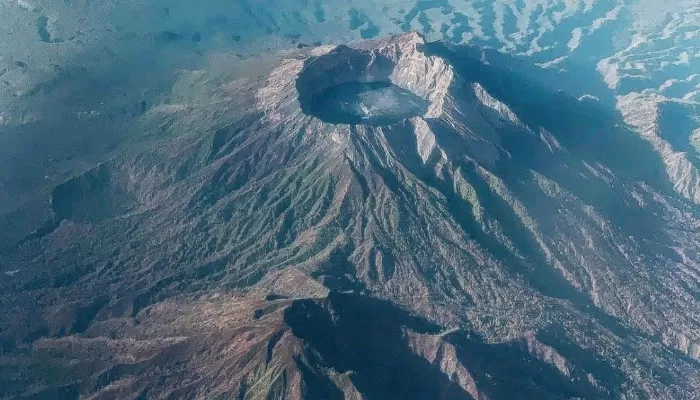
<point>398,61</point>
<point>667,126</point>
<point>342,346</point>
<point>391,219</point>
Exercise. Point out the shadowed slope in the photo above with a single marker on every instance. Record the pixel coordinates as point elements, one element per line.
<point>475,215</point>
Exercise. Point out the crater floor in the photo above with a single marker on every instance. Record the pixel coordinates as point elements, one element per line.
<point>375,103</point>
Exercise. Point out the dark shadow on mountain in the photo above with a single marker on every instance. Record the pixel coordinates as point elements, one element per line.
<point>44,230</point>
<point>364,335</point>
<point>93,196</point>
<point>588,129</point>
<point>606,374</point>
<point>527,377</point>
<point>535,268</point>
<point>318,385</point>
<point>339,273</point>
<point>677,125</point>
<point>367,338</point>
<point>591,132</point>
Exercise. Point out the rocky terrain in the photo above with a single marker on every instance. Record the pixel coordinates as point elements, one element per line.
<point>494,243</point>
<point>75,67</point>
<point>251,200</point>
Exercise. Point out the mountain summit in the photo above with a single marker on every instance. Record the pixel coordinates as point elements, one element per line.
<point>391,219</point>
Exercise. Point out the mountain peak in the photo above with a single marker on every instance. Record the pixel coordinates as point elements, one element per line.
<point>376,82</point>
<point>372,220</point>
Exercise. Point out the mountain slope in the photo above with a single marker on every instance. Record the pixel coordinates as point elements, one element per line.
<point>502,214</point>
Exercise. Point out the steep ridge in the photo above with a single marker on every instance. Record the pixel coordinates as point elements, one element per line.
<point>340,346</point>
<point>493,214</point>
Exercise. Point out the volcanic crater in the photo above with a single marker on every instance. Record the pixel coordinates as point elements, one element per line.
<point>370,85</point>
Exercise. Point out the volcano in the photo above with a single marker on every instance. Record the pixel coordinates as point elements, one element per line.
<point>389,219</point>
